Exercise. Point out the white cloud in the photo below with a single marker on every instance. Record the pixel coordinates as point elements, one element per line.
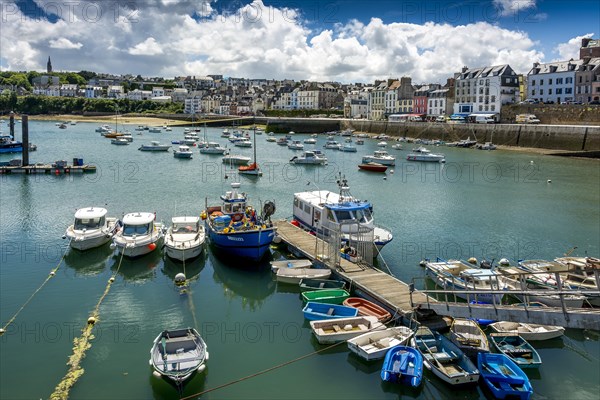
<point>511,7</point>
<point>256,41</point>
<point>148,47</point>
<point>570,49</point>
<point>64,43</point>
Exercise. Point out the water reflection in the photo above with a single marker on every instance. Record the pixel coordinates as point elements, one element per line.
<point>165,389</point>
<point>252,286</point>
<point>89,262</point>
<point>368,367</point>
<point>137,270</point>
<point>191,268</point>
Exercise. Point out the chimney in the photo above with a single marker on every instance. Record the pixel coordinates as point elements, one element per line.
<point>536,64</point>
<point>464,69</point>
<point>586,59</point>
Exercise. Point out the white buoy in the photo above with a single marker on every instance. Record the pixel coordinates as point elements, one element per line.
<point>385,178</point>
<point>156,374</point>
<point>503,261</point>
<point>277,239</point>
<point>549,180</point>
<point>391,171</point>
<point>113,246</point>
<point>180,279</point>
<point>2,331</point>
<point>531,162</point>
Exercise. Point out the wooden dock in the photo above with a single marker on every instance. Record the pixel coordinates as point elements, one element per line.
<point>47,169</point>
<point>387,290</point>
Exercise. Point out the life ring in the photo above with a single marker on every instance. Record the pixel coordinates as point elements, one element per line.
<point>237,217</point>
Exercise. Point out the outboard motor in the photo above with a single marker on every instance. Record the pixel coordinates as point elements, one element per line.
<point>268,209</point>
<point>485,264</point>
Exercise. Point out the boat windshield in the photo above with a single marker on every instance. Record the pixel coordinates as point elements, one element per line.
<point>233,208</point>
<point>185,227</point>
<point>88,223</point>
<point>364,215</point>
<point>130,230</point>
<point>343,215</point>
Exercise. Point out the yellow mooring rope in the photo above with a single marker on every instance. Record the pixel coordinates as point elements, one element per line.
<point>50,275</point>
<point>81,345</point>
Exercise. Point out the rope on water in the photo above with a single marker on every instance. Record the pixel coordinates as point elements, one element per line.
<point>264,371</point>
<point>50,275</point>
<point>81,345</point>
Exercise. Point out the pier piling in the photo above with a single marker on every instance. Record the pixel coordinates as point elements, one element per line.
<point>25,133</point>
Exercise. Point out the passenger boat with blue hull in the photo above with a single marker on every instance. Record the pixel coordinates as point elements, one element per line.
<point>321,211</point>
<point>9,145</point>
<point>237,229</point>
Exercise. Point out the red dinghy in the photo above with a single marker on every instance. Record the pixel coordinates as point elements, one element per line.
<point>365,307</point>
<point>373,166</point>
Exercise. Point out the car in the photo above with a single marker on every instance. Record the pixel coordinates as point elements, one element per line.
<point>594,102</point>
<point>529,101</point>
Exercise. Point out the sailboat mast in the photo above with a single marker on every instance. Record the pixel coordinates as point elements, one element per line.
<point>254,144</point>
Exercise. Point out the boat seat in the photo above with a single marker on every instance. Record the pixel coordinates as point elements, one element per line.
<point>330,311</point>
<point>404,359</point>
<point>336,328</point>
<point>362,327</point>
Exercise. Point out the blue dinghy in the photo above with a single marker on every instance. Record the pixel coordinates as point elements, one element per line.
<point>314,311</point>
<point>403,364</point>
<point>503,376</point>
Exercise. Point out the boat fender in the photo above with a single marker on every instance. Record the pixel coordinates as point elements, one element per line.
<point>155,374</point>
<point>226,230</point>
<point>203,215</point>
<point>202,368</point>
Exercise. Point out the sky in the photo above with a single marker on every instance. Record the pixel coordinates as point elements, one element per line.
<point>319,40</point>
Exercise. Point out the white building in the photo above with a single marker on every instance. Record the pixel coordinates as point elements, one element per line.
<point>553,82</point>
<point>68,90</point>
<point>158,91</point>
<point>139,95</point>
<point>437,102</point>
<point>486,89</point>
<point>179,95</point>
<point>162,99</point>
<point>115,92</point>
<point>93,92</point>
<point>193,105</point>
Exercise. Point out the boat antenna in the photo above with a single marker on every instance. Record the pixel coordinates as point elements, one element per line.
<point>572,249</point>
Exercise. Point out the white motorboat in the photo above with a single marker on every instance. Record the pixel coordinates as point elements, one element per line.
<point>310,157</point>
<point>300,263</point>
<point>528,332</point>
<point>104,129</point>
<point>177,354</point>
<point>155,129</point>
<point>423,154</point>
<point>140,235</point>
<point>359,141</point>
<point>322,211</point>
<point>183,152</point>
<point>581,274</point>
<point>341,329</point>
<point>243,143</point>
<point>225,133</point>
<point>154,146</point>
<point>120,142</point>
<point>349,148</point>
<point>184,239</point>
<point>212,148</point>
<point>381,157</point>
<point>127,136</point>
<point>282,141</point>
<point>310,141</point>
<point>397,146</point>
<point>295,275</point>
<point>332,144</point>
<point>382,144</point>
<point>295,145</point>
<point>271,139</point>
<point>91,228</point>
<point>486,146</point>
<point>374,345</point>
<point>458,275</point>
<point>236,159</point>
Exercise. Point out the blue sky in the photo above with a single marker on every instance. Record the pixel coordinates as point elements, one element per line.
<point>342,40</point>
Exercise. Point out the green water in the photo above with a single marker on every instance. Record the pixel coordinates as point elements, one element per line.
<point>483,204</point>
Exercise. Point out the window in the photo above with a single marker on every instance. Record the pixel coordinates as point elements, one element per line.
<point>541,92</point>
<point>558,91</point>
<point>541,82</point>
<point>493,107</point>
<point>550,81</point>
<point>549,91</point>
<point>493,99</point>
<point>533,82</point>
<point>568,90</point>
<point>559,81</point>
<point>480,108</point>
<point>569,80</point>
<point>533,92</point>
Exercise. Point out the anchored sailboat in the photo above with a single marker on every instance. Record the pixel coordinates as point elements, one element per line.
<point>253,168</point>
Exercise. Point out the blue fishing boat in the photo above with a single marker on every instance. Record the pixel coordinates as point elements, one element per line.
<point>314,311</point>
<point>403,364</point>
<point>503,376</point>
<point>9,145</point>
<point>237,229</point>
<point>517,349</point>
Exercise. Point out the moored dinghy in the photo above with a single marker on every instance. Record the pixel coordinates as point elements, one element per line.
<point>528,331</point>
<point>404,365</point>
<point>339,330</point>
<point>468,336</point>
<point>295,275</point>
<point>374,345</point>
<point>503,376</point>
<point>331,296</point>
<point>314,311</point>
<point>177,354</point>
<point>302,263</point>
<point>365,307</point>
<point>444,358</point>
<point>517,349</point>
<point>321,284</point>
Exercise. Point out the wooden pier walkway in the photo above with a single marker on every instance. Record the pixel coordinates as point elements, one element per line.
<point>389,291</point>
<point>395,295</point>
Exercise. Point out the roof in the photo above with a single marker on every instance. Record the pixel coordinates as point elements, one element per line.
<point>332,199</point>
<point>183,220</point>
<point>554,67</point>
<point>139,218</point>
<point>92,212</point>
<point>485,72</point>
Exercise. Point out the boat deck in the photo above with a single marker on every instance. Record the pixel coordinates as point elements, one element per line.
<point>391,292</point>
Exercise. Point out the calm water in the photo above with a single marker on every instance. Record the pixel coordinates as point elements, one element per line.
<point>483,204</point>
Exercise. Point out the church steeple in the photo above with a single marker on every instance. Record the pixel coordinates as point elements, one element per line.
<point>49,65</point>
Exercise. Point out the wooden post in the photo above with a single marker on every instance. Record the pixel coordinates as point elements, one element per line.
<point>25,133</point>
<point>11,125</point>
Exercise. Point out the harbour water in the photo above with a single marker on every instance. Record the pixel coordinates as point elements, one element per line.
<point>483,204</point>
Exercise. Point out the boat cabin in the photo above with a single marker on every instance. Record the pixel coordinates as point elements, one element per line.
<point>479,277</point>
<point>90,218</point>
<point>185,225</point>
<point>233,201</point>
<point>138,224</point>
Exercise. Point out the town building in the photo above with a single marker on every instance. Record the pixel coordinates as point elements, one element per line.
<point>486,89</point>
<point>553,82</point>
<point>589,48</point>
<point>587,80</point>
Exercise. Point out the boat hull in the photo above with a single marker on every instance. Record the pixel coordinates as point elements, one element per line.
<point>375,345</point>
<point>88,241</point>
<point>182,254</point>
<point>133,248</point>
<point>342,329</point>
<point>503,377</point>
<point>251,245</point>
<point>403,365</point>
